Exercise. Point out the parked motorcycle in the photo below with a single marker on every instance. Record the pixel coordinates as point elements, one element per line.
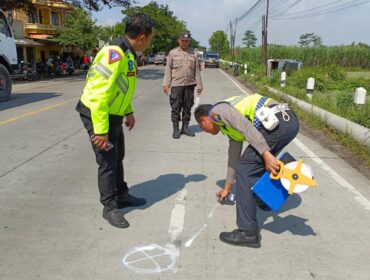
<point>29,72</point>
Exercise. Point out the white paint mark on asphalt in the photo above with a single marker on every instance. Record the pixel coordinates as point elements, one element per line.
<point>190,241</point>
<point>149,259</point>
<point>176,224</point>
<point>154,258</point>
<point>235,83</point>
<point>210,215</point>
<point>339,179</point>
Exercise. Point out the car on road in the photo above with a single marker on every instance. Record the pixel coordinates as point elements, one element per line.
<point>211,59</point>
<point>151,59</point>
<point>158,59</point>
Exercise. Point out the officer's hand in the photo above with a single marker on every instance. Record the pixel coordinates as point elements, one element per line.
<point>165,89</point>
<point>271,163</point>
<point>130,121</point>
<point>222,195</point>
<point>199,91</point>
<point>101,141</point>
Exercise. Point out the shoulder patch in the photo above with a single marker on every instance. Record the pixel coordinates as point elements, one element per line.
<point>216,117</point>
<point>114,56</point>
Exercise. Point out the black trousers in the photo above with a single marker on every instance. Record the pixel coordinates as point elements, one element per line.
<point>110,164</point>
<point>251,167</point>
<point>181,99</point>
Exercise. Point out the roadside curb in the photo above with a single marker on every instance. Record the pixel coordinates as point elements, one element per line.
<point>356,131</point>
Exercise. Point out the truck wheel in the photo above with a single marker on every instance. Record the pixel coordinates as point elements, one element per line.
<point>5,83</point>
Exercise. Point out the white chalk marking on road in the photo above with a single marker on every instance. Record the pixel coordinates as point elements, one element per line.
<point>210,215</point>
<point>176,224</point>
<point>339,179</point>
<point>235,83</point>
<point>169,254</point>
<point>190,241</point>
<point>143,255</point>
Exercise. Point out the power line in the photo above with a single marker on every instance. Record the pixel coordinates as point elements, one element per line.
<point>322,12</point>
<point>315,9</point>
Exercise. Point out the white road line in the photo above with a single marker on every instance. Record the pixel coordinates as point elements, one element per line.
<point>339,179</point>
<point>235,83</point>
<point>176,223</point>
<point>362,200</point>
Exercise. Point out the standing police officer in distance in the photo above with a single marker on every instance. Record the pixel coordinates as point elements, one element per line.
<point>182,75</point>
<point>239,118</point>
<point>105,102</point>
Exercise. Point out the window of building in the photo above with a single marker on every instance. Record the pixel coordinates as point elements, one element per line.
<point>32,16</point>
<point>54,18</point>
<point>4,27</point>
<point>30,54</point>
<point>40,16</point>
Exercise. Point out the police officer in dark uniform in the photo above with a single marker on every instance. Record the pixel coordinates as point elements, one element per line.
<point>182,75</point>
<point>105,104</point>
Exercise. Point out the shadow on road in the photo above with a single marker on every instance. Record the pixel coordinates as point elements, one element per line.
<point>20,99</point>
<point>160,188</point>
<point>150,74</point>
<point>195,128</point>
<point>294,224</point>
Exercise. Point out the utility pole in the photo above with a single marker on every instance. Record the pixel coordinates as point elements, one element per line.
<point>263,40</point>
<point>236,21</point>
<point>231,42</point>
<point>265,34</point>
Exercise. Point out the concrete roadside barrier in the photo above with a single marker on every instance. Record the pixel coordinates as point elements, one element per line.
<point>356,131</point>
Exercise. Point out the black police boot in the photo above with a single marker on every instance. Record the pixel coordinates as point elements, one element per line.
<point>115,217</point>
<point>176,131</point>
<point>186,131</point>
<point>128,200</point>
<point>242,238</point>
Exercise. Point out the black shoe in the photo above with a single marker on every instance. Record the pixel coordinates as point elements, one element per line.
<point>176,131</point>
<point>186,131</point>
<point>128,200</point>
<point>242,238</point>
<point>115,217</point>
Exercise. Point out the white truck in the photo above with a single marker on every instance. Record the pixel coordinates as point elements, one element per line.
<point>8,57</point>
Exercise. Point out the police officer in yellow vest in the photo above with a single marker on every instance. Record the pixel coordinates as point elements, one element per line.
<point>268,127</point>
<point>105,102</point>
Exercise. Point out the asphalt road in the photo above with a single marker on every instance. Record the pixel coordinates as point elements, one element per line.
<point>50,217</point>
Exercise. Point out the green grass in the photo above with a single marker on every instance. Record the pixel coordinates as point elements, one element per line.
<point>312,121</point>
<point>358,74</point>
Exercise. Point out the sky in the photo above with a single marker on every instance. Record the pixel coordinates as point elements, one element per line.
<point>286,21</point>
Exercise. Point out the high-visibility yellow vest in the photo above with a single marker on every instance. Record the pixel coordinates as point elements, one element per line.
<point>110,86</point>
<point>246,105</point>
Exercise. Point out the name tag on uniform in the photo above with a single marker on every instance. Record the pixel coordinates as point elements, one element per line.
<point>131,74</point>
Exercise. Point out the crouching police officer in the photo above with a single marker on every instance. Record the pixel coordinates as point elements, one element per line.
<point>268,127</point>
<point>105,101</point>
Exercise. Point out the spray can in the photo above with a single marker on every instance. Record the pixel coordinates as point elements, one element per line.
<point>231,197</point>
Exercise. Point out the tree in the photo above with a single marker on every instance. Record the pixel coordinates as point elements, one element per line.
<point>79,31</point>
<point>94,5</point>
<point>166,25</point>
<point>219,43</point>
<point>310,39</point>
<point>106,33</point>
<point>249,39</point>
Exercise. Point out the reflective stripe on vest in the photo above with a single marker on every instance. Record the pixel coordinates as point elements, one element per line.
<point>246,105</point>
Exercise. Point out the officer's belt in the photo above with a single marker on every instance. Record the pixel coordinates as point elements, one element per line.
<point>279,108</point>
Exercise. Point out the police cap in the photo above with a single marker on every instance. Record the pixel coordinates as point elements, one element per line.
<point>184,35</point>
